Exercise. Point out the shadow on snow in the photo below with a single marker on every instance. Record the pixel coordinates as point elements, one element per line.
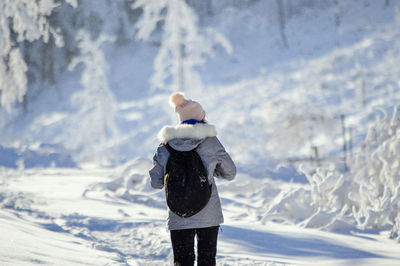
<point>269,243</point>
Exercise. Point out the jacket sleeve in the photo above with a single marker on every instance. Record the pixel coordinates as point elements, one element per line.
<point>225,167</point>
<point>157,172</point>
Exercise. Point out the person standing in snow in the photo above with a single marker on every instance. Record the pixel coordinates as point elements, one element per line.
<point>193,133</point>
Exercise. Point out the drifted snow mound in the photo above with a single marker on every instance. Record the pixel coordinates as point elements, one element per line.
<point>130,182</point>
<point>365,198</point>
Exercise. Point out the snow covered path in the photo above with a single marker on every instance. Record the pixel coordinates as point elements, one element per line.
<point>98,217</point>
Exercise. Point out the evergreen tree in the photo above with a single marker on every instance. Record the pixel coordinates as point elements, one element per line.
<point>184,45</point>
<point>22,20</point>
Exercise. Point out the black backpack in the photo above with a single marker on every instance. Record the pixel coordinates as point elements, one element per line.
<point>187,188</point>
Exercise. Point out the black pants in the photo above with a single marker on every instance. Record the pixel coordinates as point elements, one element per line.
<point>183,246</point>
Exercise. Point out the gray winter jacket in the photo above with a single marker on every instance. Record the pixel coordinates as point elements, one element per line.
<point>216,160</point>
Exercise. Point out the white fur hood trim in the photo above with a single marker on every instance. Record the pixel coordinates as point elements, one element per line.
<point>196,131</point>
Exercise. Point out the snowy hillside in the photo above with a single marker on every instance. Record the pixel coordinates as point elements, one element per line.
<point>304,96</point>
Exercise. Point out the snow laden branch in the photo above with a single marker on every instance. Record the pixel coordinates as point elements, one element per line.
<point>368,197</point>
<point>21,20</point>
<point>184,45</point>
<point>94,123</point>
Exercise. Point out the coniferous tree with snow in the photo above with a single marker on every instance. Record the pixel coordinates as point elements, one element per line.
<point>22,20</point>
<point>184,46</point>
<point>95,119</point>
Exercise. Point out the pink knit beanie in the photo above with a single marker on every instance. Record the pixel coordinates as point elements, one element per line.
<point>186,109</point>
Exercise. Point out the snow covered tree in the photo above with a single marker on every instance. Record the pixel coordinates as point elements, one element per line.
<point>21,20</point>
<point>184,46</point>
<point>112,18</point>
<point>94,120</point>
<point>37,39</point>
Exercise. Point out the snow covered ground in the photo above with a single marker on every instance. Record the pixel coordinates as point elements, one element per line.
<point>96,216</point>
<point>75,193</point>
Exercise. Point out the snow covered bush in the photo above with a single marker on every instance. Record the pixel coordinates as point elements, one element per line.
<point>377,173</point>
<point>367,197</point>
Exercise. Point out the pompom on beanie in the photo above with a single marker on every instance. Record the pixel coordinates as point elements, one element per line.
<point>185,108</point>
